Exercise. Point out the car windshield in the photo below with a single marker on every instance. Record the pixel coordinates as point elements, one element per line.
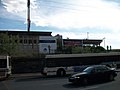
<point>88,69</point>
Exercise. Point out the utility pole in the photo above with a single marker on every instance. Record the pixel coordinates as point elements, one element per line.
<point>87,35</point>
<point>104,42</point>
<point>28,16</point>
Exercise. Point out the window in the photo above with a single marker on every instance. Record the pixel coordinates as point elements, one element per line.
<point>35,41</point>
<point>21,41</point>
<point>25,41</point>
<point>1,41</point>
<point>3,63</point>
<point>46,41</point>
<point>30,41</point>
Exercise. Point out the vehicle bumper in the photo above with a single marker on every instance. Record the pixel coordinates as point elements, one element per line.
<point>73,80</point>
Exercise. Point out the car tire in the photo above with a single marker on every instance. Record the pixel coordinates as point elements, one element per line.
<point>84,81</point>
<point>61,72</point>
<point>111,77</point>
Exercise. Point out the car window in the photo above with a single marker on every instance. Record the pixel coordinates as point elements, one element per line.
<point>101,69</point>
<point>88,69</point>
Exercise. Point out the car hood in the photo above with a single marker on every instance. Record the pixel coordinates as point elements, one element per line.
<point>78,74</point>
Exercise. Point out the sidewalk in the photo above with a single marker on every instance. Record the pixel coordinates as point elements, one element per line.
<point>26,75</point>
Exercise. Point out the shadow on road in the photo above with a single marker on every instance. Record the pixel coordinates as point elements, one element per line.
<point>38,78</point>
<point>71,85</point>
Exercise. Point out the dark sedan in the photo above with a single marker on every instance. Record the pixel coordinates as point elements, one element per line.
<point>93,74</point>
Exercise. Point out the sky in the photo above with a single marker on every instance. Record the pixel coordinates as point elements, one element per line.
<point>73,19</point>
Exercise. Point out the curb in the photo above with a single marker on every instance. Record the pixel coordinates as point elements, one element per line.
<point>25,75</point>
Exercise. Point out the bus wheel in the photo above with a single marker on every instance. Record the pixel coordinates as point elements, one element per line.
<point>61,72</point>
<point>8,75</point>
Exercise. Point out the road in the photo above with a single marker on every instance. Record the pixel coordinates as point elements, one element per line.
<point>53,83</point>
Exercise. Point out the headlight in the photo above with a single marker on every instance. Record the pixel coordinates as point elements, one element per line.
<point>77,77</point>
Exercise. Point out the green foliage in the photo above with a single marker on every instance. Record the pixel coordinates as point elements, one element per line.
<point>88,49</point>
<point>59,45</point>
<point>67,49</point>
<point>76,50</point>
<point>97,49</point>
<point>8,44</point>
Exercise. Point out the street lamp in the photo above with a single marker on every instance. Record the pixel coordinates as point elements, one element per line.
<point>104,41</point>
<point>49,48</point>
<point>87,35</point>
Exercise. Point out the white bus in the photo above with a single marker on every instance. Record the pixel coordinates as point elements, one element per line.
<point>5,66</point>
<point>62,64</point>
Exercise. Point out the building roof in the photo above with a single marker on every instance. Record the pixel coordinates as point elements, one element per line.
<point>27,33</point>
<point>84,41</point>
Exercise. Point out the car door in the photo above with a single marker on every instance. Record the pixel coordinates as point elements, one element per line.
<point>105,73</point>
<point>100,73</point>
<point>95,75</point>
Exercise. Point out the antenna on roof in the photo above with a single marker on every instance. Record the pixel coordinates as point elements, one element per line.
<point>28,16</point>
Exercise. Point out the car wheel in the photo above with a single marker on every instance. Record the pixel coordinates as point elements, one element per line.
<point>111,77</point>
<point>85,81</point>
<point>61,72</point>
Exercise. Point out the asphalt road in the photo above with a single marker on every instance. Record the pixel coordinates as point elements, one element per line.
<point>53,83</point>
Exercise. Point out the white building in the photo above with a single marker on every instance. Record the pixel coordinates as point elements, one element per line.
<point>47,44</point>
<point>38,42</point>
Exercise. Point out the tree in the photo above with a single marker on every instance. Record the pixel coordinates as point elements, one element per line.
<point>87,49</point>
<point>8,44</point>
<point>97,49</point>
<point>77,50</point>
<point>59,44</point>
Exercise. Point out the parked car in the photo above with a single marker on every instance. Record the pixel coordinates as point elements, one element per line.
<point>93,73</point>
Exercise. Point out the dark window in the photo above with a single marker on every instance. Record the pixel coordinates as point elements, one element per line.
<point>35,41</point>
<point>16,41</point>
<point>1,41</point>
<point>3,63</point>
<point>25,41</point>
<point>46,41</point>
<point>21,41</point>
<point>30,41</point>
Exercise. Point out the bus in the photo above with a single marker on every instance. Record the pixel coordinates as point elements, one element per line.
<point>5,66</point>
<point>62,64</point>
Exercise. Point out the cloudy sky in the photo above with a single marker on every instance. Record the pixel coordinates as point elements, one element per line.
<point>74,19</point>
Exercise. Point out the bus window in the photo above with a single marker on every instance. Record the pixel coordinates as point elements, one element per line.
<point>5,68</point>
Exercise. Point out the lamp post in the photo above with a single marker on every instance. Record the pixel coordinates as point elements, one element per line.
<point>87,35</point>
<point>49,48</point>
<point>82,45</point>
<point>104,41</point>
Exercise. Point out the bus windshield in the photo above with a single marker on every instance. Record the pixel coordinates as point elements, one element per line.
<point>3,63</point>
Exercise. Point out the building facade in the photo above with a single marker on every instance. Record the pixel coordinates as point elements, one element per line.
<point>77,42</point>
<point>44,42</point>
<point>33,41</point>
<point>47,44</point>
<point>81,42</point>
